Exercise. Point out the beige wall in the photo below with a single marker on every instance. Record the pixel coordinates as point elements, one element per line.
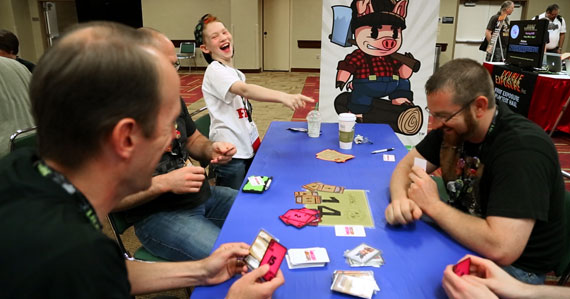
<point>306,23</point>
<point>446,32</point>
<point>15,15</point>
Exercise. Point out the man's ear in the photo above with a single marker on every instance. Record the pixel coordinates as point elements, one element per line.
<point>481,105</point>
<point>124,136</point>
<point>204,49</point>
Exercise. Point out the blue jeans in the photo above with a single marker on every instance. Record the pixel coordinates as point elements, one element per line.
<point>522,275</point>
<point>231,174</point>
<point>181,235</point>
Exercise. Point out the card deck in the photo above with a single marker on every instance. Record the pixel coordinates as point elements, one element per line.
<point>301,217</point>
<point>364,256</point>
<point>356,283</point>
<point>258,248</point>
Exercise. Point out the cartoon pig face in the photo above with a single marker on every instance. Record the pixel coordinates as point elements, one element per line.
<point>384,43</point>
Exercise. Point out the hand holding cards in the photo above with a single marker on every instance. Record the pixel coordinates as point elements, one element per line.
<point>265,249</point>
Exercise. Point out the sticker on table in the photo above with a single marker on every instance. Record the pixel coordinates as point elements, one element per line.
<point>389,158</point>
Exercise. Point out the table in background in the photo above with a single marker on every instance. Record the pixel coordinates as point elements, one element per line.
<point>415,255</point>
<point>550,94</point>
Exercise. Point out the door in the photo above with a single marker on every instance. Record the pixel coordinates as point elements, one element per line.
<point>57,17</point>
<point>276,35</point>
<point>471,24</point>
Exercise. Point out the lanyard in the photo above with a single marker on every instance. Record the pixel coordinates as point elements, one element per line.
<point>82,203</point>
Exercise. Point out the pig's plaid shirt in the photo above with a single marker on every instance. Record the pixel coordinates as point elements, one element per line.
<point>357,63</point>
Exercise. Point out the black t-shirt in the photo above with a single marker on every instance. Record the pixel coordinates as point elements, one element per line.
<point>29,65</point>
<point>503,34</point>
<point>517,176</point>
<point>175,157</point>
<point>49,248</point>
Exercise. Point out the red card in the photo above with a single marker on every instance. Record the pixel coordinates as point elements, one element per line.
<point>462,268</point>
<point>273,256</point>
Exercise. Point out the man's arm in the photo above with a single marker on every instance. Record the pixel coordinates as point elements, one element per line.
<point>259,93</point>
<point>402,210</point>
<point>218,267</point>
<point>183,180</point>
<point>201,148</point>
<point>561,42</point>
<point>500,239</point>
<point>488,34</point>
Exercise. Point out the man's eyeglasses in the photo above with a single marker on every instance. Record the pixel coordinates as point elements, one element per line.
<point>176,64</point>
<point>444,118</point>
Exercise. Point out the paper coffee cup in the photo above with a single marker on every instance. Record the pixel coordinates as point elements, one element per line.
<point>346,122</point>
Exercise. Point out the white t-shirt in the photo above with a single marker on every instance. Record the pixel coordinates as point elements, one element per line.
<point>228,111</point>
<point>554,29</point>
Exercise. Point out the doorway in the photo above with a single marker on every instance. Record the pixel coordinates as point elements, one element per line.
<point>276,35</point>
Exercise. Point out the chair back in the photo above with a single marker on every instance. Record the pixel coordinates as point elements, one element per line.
<point>203,124</point>
<point>119,225</point>
<point>188,48</point>
<point>23,138</point>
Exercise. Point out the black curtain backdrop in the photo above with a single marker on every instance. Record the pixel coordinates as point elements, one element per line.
<point>128,12</point>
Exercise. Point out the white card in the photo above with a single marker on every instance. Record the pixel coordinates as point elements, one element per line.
<point>314,255</point>
<point>349,231</point>
<point>362,253</point>
<point>255,180</point>
<point>389,158</point>
<point>421,163</point>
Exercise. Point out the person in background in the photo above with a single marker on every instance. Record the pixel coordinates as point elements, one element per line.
<point>502,41</point>
<point>500,171</point>
<point>10,46</point>
<point>105,105</point>
<point>179,216</point>
<point>556,28</point>
<point>487,281</point>
<point>227,96</point>
<point>15,111</point>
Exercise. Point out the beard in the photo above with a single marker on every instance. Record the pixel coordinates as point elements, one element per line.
<point>452,142</point>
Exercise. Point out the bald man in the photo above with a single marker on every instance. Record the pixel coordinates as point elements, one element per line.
<point>180,215</point>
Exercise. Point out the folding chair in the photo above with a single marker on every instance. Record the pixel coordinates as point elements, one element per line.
<point>23,138</point>
<point>120,225</point>
<point>187,51</point>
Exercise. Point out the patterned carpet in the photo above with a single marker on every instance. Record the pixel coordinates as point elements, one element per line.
<point>191,87</point>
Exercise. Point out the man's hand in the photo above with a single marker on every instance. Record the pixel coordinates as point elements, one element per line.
<point>223,263</point>
<point>464,287</point>
<point>400,101</point>
<point>423,189</point>
<point>402,211</point>
<point>485,277</point>
<point>250,286</point>
<point>222,152</point>
<point>183,180</point>
<point>294,101</point>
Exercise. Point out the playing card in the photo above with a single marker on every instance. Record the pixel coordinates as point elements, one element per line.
<point>369,275</point>
<point>300,217</point>
<point>349,231</point>
<point>389,158</point>
<point>362,253</point>
<point>274,255</point>
<point>317,186</point>
<point>462,268</point>
<point>307,197</point>
<point>421,163</point>
<point>332,155</point>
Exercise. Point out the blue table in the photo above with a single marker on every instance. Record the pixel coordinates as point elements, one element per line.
<point>415,255</point>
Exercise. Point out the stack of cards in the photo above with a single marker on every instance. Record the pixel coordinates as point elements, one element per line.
<point>356,283</point>
<point>317,186</point>
<point>257,249</point>
<point>307,257</point>
<point>307,197</point>
<point>301,217</point>
<point>332,155</point>
<point>364,256</point>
